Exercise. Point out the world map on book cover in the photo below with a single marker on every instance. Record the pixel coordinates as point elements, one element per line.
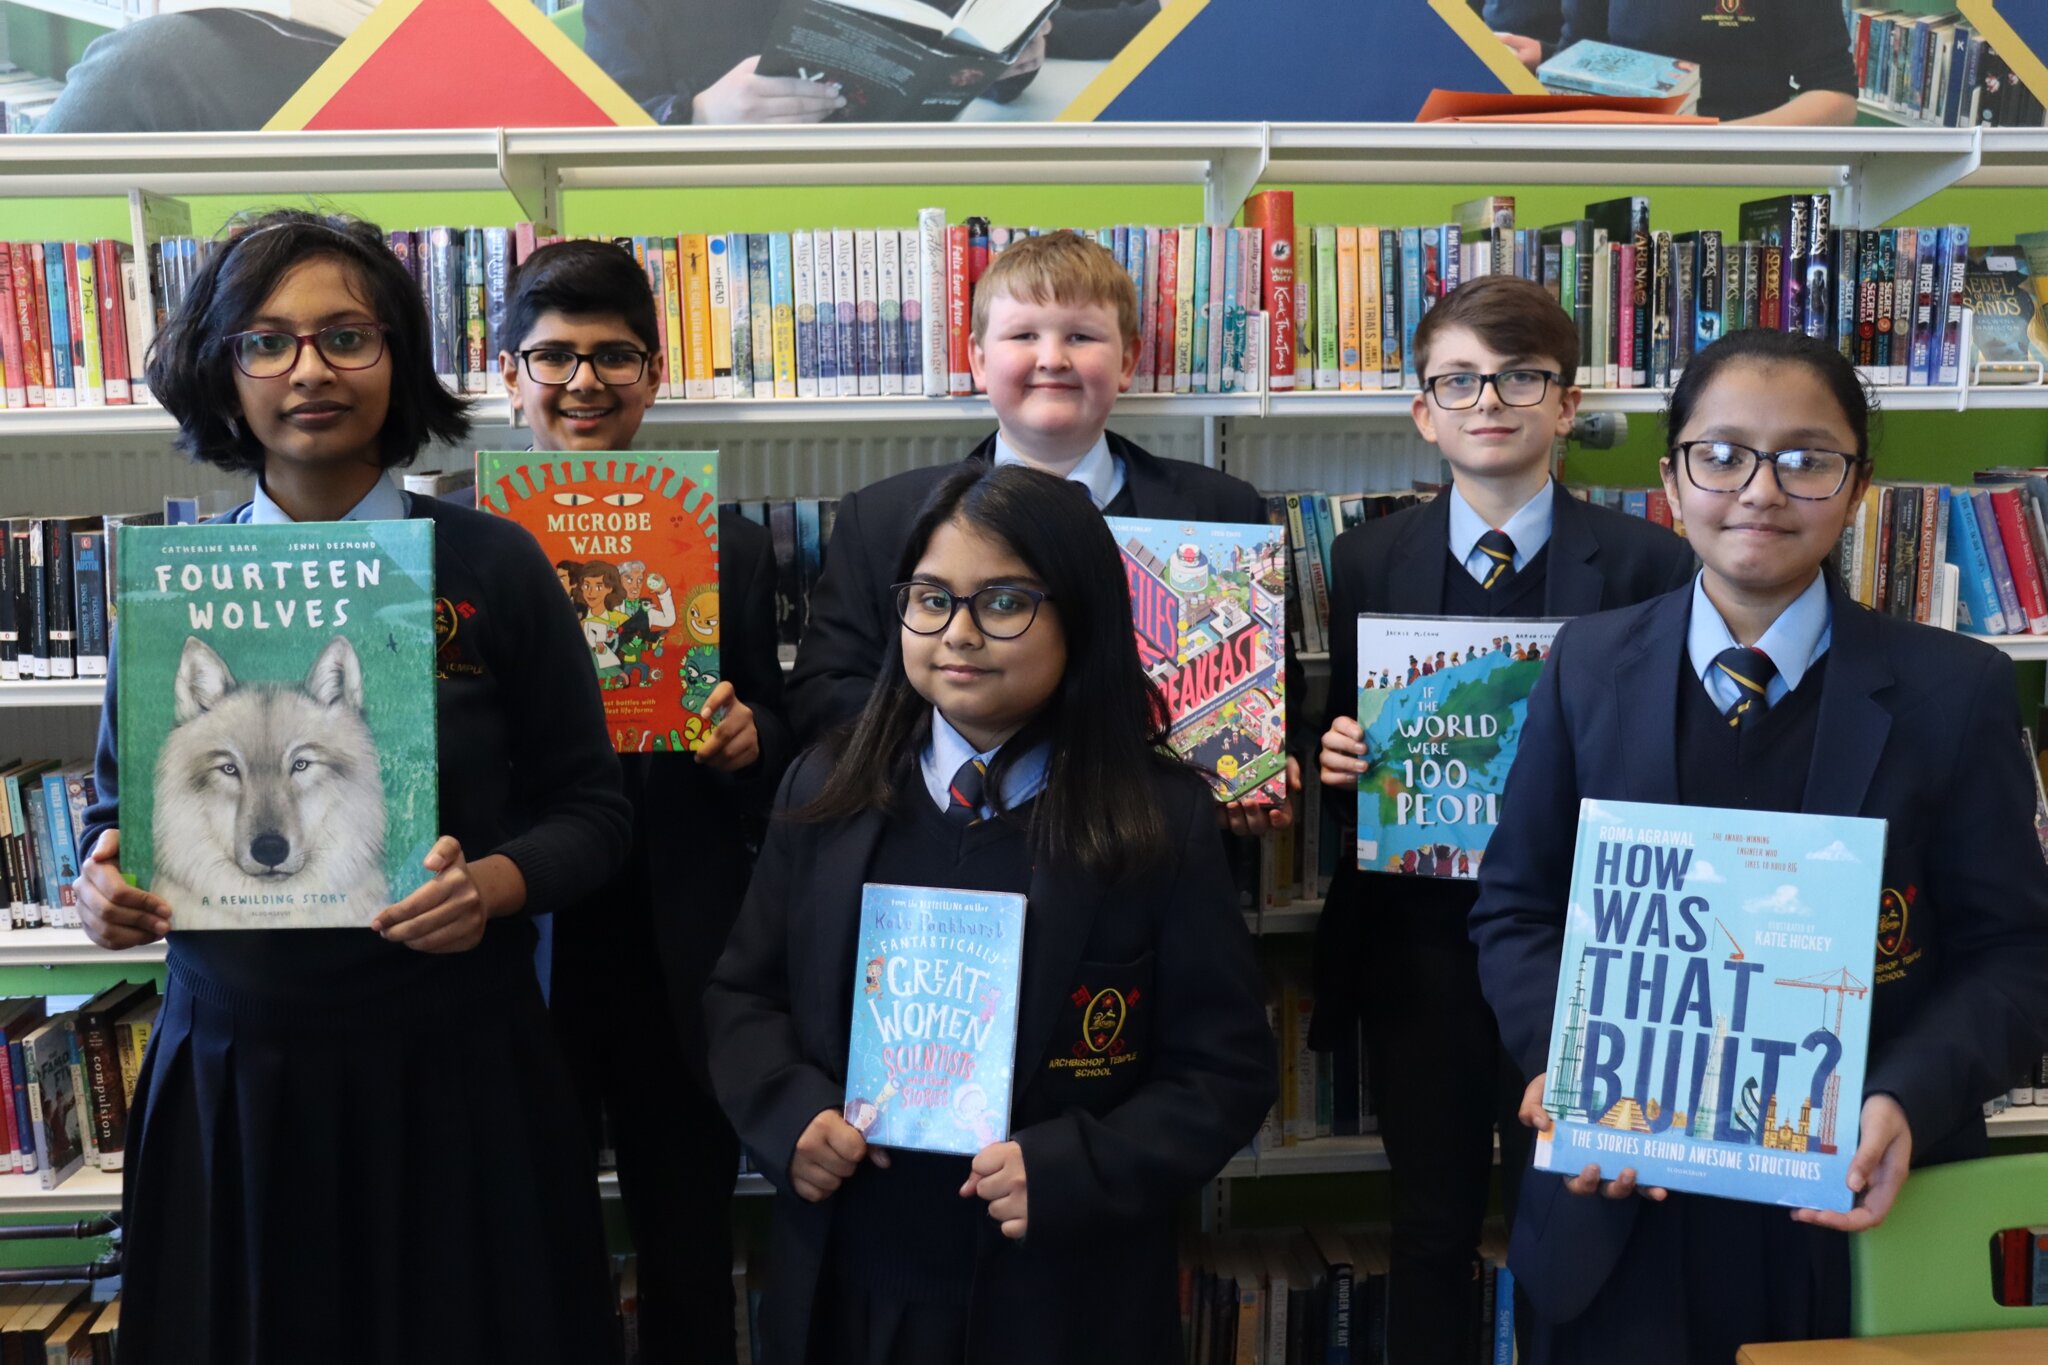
<point>633,536</point>
<point>1441,701</point>
<point>1713,1000</point>
<point>276,702</point>
<point>933,1047</point>
<point>1208,603</point>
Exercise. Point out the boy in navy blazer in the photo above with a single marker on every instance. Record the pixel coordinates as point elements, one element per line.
<point>1498,360</point>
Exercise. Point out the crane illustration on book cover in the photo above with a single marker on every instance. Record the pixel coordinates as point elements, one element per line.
<point>1713,1003</point>
<point>1207,604</point>
<point>633,536</point>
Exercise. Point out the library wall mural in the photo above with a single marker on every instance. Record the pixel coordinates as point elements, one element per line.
<point>175,65</point>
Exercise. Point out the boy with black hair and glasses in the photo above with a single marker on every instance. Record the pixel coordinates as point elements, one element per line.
<point>583,365</point>
<point>1498,360</point>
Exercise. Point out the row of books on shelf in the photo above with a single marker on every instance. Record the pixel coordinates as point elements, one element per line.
<point>24,98</point>
<point>1322,1094</point>
<point>1297,861</point>
<point>72,333</point>
<point>69,1078</point>
<point>42,824</point>
<point>1973,559</point>
<point>1314,520</point>
<point>1320,1297</point>
<point>2019,1267</point>
<point>1937,69</point>
<point>58,1322</point>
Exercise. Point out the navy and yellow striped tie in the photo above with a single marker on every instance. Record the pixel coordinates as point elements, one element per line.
<point>1751,670</point>
<point>967,790</point>
<point>1500,552</point>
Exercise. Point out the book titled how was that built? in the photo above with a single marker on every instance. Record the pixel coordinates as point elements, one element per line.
<point>633,536</point>
<point>933,1045</point>
<point>1713,1000</point>
<point>1441,701</point>
<point>1208,604</point>
<point>276,694</point>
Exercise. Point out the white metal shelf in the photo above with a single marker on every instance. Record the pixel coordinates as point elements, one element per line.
<point>87,1190</point>
<point>63,947</point>
<point>1316,1156</point>
<point>1298,918</point>
<point>2024,1121</point>
<point>66,692</point>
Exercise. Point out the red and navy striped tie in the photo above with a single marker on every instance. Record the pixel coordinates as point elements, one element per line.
<point>966,791</point>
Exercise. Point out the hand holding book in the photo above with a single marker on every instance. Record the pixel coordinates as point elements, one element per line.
<point>449,913</point>
<point>997,1175</point>
<point>742,95</point>
<point>735,741</point>
<point>117,915</point>
<point>1587,1181</point>
<point>1877,1173</point>
<point>827,1154</point>
<point>1343,753</point>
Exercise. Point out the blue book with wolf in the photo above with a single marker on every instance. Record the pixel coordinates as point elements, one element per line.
<point>1713,1000</point>
<point>277,736</point>
<point>1208,604</point>
<point>1441,700</point>
<point>933,1046</point>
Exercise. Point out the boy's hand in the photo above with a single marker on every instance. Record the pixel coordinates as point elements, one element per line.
<point>1252,817</point>
<point>827,1155</point>
<point>1527,51</point>
<point>1884,1151</point>
<point>117,915</point>
<point>1586,1182</point>
<point>735,741</point>
<point>997,1175</point>
<point>740,96</point>
<point>1343,753</point>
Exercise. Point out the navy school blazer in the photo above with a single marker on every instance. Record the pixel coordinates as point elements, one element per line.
<point>1109,1157</point>
<point>1917,727</point>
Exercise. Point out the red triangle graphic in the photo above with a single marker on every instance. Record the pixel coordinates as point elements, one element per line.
<point>458,64</point>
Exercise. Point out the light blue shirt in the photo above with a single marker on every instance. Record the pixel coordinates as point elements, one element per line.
<point>1799,636</point>
<point>385,501</point>
<point>1529,528</point>
<point>1100,472</point>
<point>949,749</point>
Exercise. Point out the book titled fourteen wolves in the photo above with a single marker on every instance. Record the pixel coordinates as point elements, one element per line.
<point>934,1038</point>
<point>1713,1000</point>
<point>634,539</point>
<point>281,771</point>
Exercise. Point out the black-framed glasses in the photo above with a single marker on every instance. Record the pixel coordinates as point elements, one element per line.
<point>616,366</point>
<point>1517,388</point>
<point>1802,472</point>
<point>1000,612</point>
<point>272,355</point>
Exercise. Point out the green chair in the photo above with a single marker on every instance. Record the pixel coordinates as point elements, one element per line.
<point>570,21</point>
<point>1927,1268</point>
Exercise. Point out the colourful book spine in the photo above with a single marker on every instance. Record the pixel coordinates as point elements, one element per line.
<point>1349,322</point>
<point>2001,563</point>
<point>1272,213</point>
<point>1977,593</point>
<point>1143,269</point>
<point>16,381</point>
<point>889,309</point>
<point>931,261</point>
<point>959,320</point>
<point>1948,301</point>
<point>1166,322</point>
<point>1245,371</point>
<point>59,390</point>
<point>782,317</point>
<point>1369,357</point>
<point>804,277</point>
<point>676,324</point>
<point>911,326</point>
<point>1392,350</point>
<point>1411,302</point>
<point>473,309</point>
<point>690,333</point>
<point>846,309</point>
<point>1185,307</point>
<point>1219,301</point>
<point>20,327</point>
<point>740,291</point>
<point>1329,322</point>
<point>75,321</point>
<point>761,313</point>
<point>868,313</point>
<point>825,321</point>
<point>1204,296</point>
<point>718,282</point>
<point>92,383</point>
<point>497,276</point>
<point>2008,506</point>
<point>1304,252</point>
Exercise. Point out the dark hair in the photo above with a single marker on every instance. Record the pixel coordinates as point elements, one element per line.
<point>1106,722</point>
<point>1758,346</point>
<point>192,374</point>
<point>1513,316</point>
<point>580,279</point>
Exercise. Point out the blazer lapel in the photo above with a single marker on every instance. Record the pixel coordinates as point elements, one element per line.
<point>1153,492</point>
<point>1415,573</point>
<point>823,965</point>
<point>1853,725</point>
<point>1645,700</point>
<point>1059,915</point>
<point>1572,585</point>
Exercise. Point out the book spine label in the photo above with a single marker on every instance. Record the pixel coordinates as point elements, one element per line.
<point>1349,321</point>
<point>109,1112</point>
<point>911,327</point>
<point>932,275</point>
<point>782,314</point>
<point>718,278</point>
<point>761,314</point>
<point>889,309</point>
<point>846,314</point>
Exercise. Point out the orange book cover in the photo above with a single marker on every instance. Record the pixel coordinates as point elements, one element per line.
<point>633,536</point>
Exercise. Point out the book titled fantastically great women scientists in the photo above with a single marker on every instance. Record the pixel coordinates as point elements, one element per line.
<point>1441,701</point>
<point>276,701</point>
<point>634,539</point>
<point>934,1038</point>
<point>1713,1002</point>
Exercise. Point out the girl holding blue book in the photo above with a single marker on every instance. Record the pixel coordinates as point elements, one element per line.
<point>1012,745</point>
<point>1764,686</point>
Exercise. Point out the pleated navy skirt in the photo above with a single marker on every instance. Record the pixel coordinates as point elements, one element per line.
<point>399,1177</point>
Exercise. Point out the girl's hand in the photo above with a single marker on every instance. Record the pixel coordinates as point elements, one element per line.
<point>1527,51</point>
<point>735,741</point>
<point>740,96</point>
<point>997,1175</point>
<point>448,914</point>
<point>1884,1151</point>
<point>1253,818</point>
<point>116,914</point>
<point>1343,755</point>
<point>827,1155</point>
<point>1588,1181</point>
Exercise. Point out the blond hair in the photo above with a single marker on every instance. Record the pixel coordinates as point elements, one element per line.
<point>1060,267</point>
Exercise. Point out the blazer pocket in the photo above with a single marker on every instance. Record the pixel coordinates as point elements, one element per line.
<point>1102,1039</point>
